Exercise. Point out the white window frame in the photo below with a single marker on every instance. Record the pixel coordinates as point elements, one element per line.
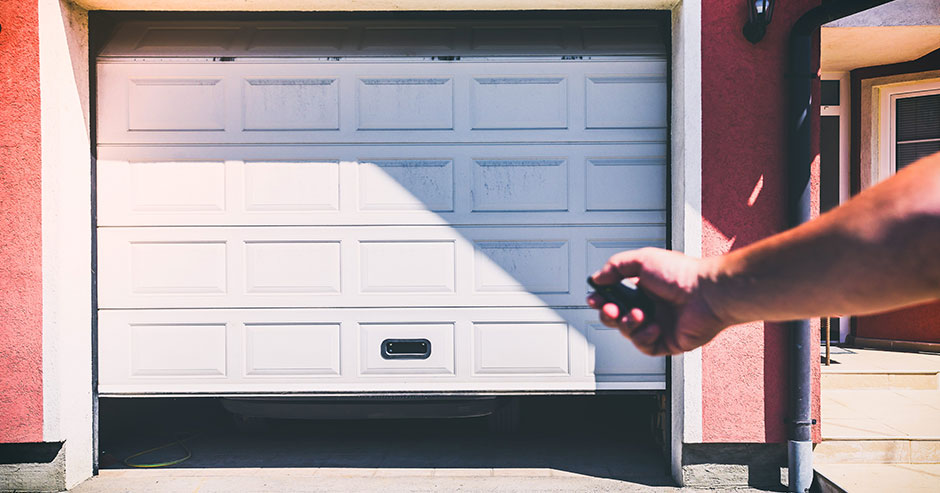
<point>844,111</point>
<point>885,167</point>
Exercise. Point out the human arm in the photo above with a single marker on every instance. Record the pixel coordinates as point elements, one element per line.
<point>880,250</point>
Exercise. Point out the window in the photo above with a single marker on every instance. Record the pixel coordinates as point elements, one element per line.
<point>907,125</point>
<point>917,128</point>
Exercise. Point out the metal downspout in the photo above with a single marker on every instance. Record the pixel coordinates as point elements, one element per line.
<point>801,71</point>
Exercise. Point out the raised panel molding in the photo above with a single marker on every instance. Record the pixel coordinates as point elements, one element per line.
<point>297,349</point>
<point>616,358</point>
<point>184,267</point>
<point>177,186</point>
<point>292,267</point>
<point>383,38</point>
<point>276,39</point>
<point>598,251</point>
<point>539,267</point>
<point>606,178</point>
<point>518,102</point>
<point>635,101</point>
<point>177,350</point>
<point>520,348</point>
<point>406,103</point>
<point>502,185</point>
<point>183,38</point>
<point>291,104</point>
<point>154,105</point>
<point>517,37</point>
<point>287,186</point>
<point>406,184</point>
<point>407,266</point>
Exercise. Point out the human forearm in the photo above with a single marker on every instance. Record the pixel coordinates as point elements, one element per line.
<point>879,251</point>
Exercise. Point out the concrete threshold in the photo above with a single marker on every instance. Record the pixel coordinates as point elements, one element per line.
<point>880,478</point>
<point>886,450</point>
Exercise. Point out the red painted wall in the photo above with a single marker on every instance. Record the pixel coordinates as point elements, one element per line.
<point>20,231</point>
<point>744,97</point>
<point>920,323</point>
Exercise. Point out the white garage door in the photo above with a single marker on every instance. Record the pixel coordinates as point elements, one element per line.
<point>299,207</point>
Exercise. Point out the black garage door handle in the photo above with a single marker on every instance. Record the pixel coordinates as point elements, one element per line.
<point>406,349</point>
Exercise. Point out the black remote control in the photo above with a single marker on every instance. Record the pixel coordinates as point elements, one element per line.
<point>626,297</point>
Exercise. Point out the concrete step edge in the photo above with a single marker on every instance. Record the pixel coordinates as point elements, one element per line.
<point>883,451</point>
<point>915,438</point>
<point>927,381</point>
<point>880,372</point>
<point>827,485</point>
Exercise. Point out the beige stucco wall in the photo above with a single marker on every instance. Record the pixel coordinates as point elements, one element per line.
<point>870,115</point>
<point>373,5</point>
<point>66,233</point>
<point>848,48</point>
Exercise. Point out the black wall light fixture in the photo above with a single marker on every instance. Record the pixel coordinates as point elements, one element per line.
<point>759,14</point>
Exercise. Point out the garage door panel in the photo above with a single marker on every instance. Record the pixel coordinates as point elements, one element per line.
<point>537,267</point>
<point>292,103</point>
<point>292,266</point>
<point>354,101</point>
<point>356,266</point>
<point>177,350</point>
<point>148,107</point>
<point>599,250</point>
<point>405,103</point>
<point>407,184</point>
<point>606,178</point>
<point>406,266</point>
<point>623,102</point>
<point>178,267</point>
<point>292,349</point>
<point>307,350</point>
<point>504,185</point>
<point>501,348</point>
<point>172,187</point>
<point>519,102</point>
<point>439,338</point>
<point>275,40</point>
<point>614,358</point>
<point>290,186</point>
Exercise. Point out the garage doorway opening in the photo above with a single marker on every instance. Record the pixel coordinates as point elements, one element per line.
<point>600,436</point>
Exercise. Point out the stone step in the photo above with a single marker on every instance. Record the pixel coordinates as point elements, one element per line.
<point>856,369</point>
<point>880,426</point>
<point>880,380</point>
<point>878,451</point>
<point>880,478</point>
<point>880,414</point>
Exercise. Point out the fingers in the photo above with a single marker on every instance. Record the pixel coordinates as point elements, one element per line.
<point>595,301</point>
<point>619,266</point>
<point>647,338</point>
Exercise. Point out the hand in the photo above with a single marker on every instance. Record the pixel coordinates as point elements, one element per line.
<point>684,320</point>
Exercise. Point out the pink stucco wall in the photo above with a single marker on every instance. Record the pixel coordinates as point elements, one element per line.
<point>20,232</point>
<point>744,97</point>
